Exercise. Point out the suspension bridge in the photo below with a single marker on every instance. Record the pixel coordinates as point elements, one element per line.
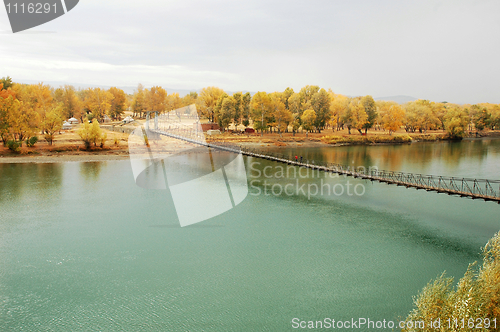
<point>488,190</point>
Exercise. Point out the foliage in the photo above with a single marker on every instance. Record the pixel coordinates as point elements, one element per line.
<point>14,146</point>
<point>118,102</point>
<point>456,121</point>
<point>371,112</point>
<point>320,103</point>
<point>308,120</point>
<point>366,139</point>
<point>97,101</point>
<point>71,103</point>
<point>207,100</point>
<point>393,118</point>
<point>477,294</point>
<point>261,109</point>
<point>92,133</point>
<point>52,123</point>
<point>30,142</point>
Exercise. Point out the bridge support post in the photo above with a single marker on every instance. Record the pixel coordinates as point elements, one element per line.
<point>156,120</point>
<point>146,125</point>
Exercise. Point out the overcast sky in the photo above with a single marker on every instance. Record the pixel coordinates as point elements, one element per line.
<point>437,50</point>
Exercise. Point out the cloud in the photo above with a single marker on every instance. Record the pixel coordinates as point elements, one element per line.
<point>440,50</point>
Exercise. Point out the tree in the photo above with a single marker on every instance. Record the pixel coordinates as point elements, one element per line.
<point>71,104</point>
<point>118,102</point>
<point>52,123</point>
<point>6,92</point>
<point>420,116</point>
<point>393,118</point>
<point>355,115</point>
<point>139,101</point>
<point>371,112</point>
<point>482,119</point>
<point>156,99</point>
<point>281,115</point>
<point>207,100</point>
<point>295,107</point>
<point>92,133</point>
<point>307,93</point>
<point>6,82</point>
<point>226,113</point>
<point>477,294</point>
<point>189,99</point>
<point>245,108</point>
<point>456,122</point>
<point>308,120</point>
<point>320,103</point>
<point>23,120</point>
<point>6,108</point>
<point>261,109</point>
<point>237,96</point>
<point>338,108</point>
<point>97,101</point>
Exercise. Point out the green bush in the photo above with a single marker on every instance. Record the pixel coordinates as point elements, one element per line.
<point>31,141</point>
<point>14,146</point>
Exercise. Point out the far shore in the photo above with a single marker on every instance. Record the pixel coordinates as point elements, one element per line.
<point>68,148</point>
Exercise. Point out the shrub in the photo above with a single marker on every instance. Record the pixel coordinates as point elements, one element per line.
<point>14,146</point>
<point>30,142</point>
<point>477,295</point>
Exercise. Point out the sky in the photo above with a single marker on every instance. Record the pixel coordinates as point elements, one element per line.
<point>436,50</point>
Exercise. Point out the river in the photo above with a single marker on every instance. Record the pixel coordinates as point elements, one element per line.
<point>82,248</point>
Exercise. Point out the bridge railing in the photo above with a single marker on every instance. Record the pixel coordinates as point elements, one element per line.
<point>476,187</point>
<point>461,186</point>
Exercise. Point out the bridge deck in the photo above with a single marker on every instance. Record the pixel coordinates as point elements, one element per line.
<point>488,190</point>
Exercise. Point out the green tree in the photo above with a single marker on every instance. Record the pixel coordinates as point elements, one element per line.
<point>245,108</point>
<point>456,122</point>
<point>371,112</point>
<point>226,113</point>
<point>482,119</point>
<point>320,103</point>
<point>308,119</point>
<point>6,82</point>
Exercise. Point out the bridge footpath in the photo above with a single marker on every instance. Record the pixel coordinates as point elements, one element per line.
<point>488,190</point>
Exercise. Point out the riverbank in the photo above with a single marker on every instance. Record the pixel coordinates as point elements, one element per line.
<point>68,147</point>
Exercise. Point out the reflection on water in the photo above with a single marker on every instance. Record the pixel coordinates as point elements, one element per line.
<point>468,158</point>
<point>43,179</point>
<point>90,170</point>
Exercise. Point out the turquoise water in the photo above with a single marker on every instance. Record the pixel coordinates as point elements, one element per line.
<point>82,248</point>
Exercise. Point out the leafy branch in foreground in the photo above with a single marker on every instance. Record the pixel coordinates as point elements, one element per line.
<point>475,300</point>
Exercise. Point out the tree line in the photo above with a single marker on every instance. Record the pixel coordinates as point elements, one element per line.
<point>26,110</point>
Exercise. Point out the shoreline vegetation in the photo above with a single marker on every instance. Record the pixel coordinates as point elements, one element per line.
<point>42,123</point>
<point>68,147</point>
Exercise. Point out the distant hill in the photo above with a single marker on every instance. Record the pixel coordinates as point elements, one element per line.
<point>397,99</point>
